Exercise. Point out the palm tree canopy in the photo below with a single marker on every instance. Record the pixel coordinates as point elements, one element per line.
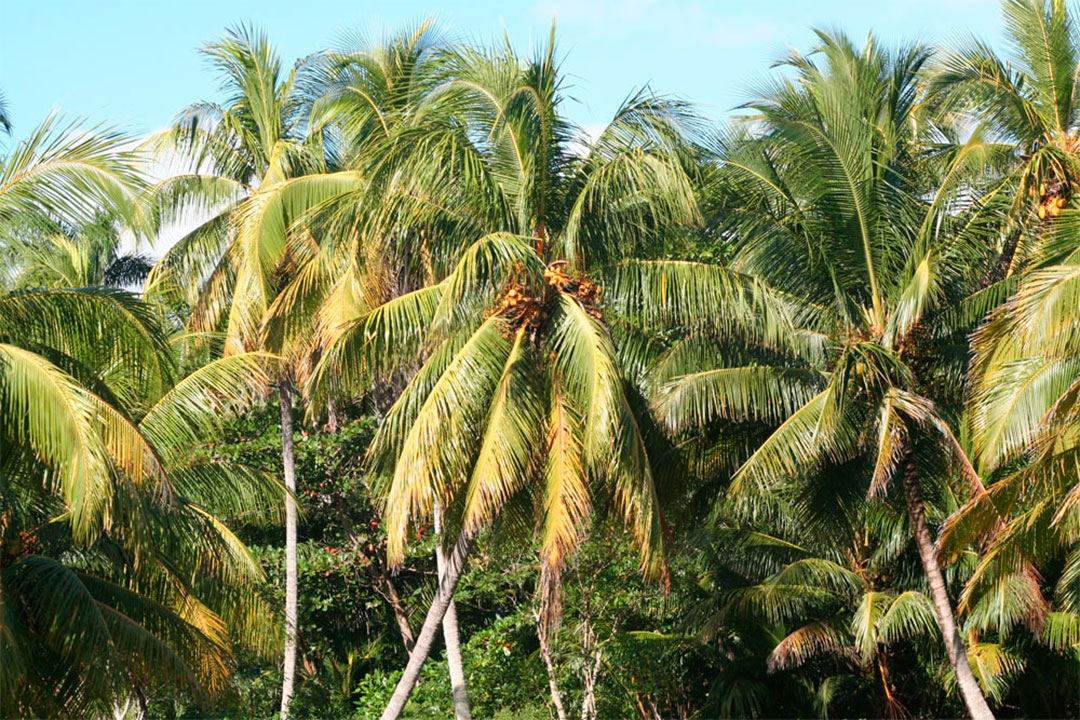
<point>521,396</point>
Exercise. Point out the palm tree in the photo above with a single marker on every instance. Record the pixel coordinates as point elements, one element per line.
<point>1025,375</point>
<point>246,157</point>
<point>1029,101</point>
<point>86,256</point>
<point>521,392</point>
<point>1023,372</point>
<point>834,203</point>
<point>367,91</point>
<point>827,611</point>
<point>116,576</point>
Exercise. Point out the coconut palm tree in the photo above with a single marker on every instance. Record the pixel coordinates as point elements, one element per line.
<point>521,392</point>
<point>1022,425</point>
<point>1030,101</point>
<point>89,255</point>
<point>367,91</point>
<point>1023,370</point>
<point>356,94</point>
<point>116,575</point>
<point>833,202</point>
<point>245,158</point>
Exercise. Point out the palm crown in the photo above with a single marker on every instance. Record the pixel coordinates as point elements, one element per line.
<point>522,387</point>
<point>835,182</point>
<point>226,270</point>
<point>1029,102</point>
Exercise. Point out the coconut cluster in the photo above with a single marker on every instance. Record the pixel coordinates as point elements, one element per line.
<point>585,290</point>
<point>1053,196</point>
<point>521,307</point>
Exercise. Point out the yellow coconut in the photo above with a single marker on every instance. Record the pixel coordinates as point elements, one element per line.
<point>1060,202</point>
<point>1042,211</point>
<point>1054,210</point>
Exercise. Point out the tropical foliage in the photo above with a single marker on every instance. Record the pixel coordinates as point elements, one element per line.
<point>672,419</point>
<point>119,577</point>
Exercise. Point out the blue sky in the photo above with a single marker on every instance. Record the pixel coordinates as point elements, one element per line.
<point>134,63</point>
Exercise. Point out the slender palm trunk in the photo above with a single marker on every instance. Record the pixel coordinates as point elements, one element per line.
<point>288,458</point>
<point>1000,269</point>
<point>455,565</point>
<point>401,615</point>
<point>549,665</point>
<point>144,707</point>
<point>450,634</point>
<point>590,670</point>
<point>939,595</point>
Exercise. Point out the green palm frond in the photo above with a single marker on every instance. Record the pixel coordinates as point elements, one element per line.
<point>809,641</point>
<point>809,435</point>
<point>866,622</point>
<point>756,392</point>
<point>686,295</point>
<point>381,342</point>
<point>1061,631</point>
<point>78,436</point>
<point>192,410</point>
<point>432,453</point>
<point>63,170</point>
<point>908,616</point>
<point>97,326</point>
<point>511,436</point>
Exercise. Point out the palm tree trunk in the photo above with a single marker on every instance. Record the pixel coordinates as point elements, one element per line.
<point>333,421</point>
<point>455,565</point>
<point>288,458</point>
<point>590,669</point>
<point>939,595</point>
<point>549,665</point>
<point>401,615</point>
<point>450,633</point>
<point>1000,269</point>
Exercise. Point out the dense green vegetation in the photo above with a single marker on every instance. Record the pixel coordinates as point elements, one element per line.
<point>445,408</point>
